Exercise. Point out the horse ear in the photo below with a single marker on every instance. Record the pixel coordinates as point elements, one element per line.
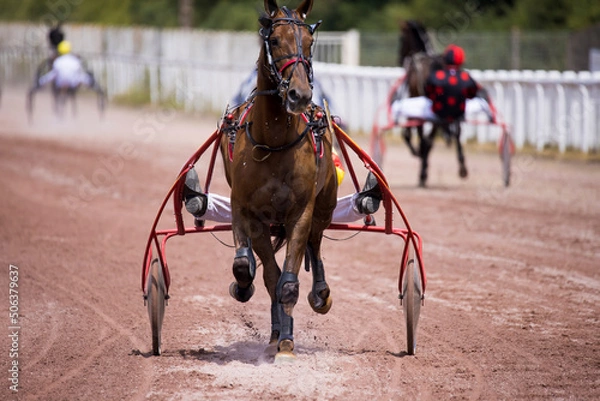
<point>304,8</point>
<point>271,7</point>
<point>265,22</point>
<point>312,28</point>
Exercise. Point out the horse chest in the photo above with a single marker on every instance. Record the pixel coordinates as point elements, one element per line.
<point>274,192</point>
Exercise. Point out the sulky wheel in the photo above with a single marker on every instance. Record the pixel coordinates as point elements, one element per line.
<point>101,101</point>
<point>412,293</point>
<point>506,156</point>
<point>156,302</point>
<point>29,104</point>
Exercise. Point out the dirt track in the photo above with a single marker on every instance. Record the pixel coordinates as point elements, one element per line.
<point>511,309</point>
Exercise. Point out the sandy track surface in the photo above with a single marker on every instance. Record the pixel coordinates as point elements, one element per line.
<point>511,309</point>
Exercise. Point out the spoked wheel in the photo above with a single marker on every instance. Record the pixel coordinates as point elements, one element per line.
<point>156,302</point>
<point>101,101</point>
<point>506,155</point>
<point>412,293</point>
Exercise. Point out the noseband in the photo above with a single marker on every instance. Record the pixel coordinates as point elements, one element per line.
<point>293,59</point>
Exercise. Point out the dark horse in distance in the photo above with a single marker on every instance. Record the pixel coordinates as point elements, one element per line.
<point>417,57</point>
<point>277,153</point>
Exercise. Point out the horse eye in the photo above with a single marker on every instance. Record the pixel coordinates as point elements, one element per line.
<point>274,42</point>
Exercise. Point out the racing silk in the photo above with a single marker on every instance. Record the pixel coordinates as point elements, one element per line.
<point>67,72</point>
<point>448,89</point>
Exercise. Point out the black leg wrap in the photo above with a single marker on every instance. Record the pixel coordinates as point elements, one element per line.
<point>320,289</point>
<point>242,272</point>
<point>288,288</point>
<point>318,271</point>
<point>287,325</point>
<point>275,321</point>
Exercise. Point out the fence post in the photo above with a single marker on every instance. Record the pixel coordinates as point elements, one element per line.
<point>519,115</point>
<point>515,48</point>
<point>351,48</point>
<point>586,106</point>
<point>562,123</point>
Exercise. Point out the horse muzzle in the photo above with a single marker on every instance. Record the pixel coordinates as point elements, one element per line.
<point>297,100</point>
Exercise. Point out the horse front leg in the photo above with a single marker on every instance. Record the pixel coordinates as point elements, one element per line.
<point>244,266</point>
<point>288,286</point>
<point>271,273</point>
<point>287,293</point>
<point>320,297</point>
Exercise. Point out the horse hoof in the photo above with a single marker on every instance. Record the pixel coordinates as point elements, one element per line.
<point>241,294</point>
<point>462,172</point>
<point>323,306</point>
<point>285,353</point>
<point>283,357</point>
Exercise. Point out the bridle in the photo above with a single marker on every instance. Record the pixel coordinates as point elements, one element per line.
<point>294,59</point>
<point>315,124</point>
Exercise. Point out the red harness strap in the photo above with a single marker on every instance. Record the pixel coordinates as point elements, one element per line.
<point>230,146</point>
<point>313,139</point>
<point>316,149</point>
<point>292,61</point>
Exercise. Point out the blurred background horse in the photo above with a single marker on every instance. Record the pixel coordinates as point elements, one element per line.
<point>419,60</point>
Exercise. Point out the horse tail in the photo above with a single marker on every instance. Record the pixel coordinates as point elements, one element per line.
<point>280,237</point>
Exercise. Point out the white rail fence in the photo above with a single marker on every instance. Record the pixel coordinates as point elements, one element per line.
<point>202,70</point>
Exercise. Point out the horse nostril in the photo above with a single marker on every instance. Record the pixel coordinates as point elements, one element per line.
<point>299,97</point>
<point>293,95</point>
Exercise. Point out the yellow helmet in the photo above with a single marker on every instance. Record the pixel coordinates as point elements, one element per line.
<point>64,47</point>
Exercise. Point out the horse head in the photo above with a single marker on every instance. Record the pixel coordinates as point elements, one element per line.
<point>287,54</point>
<point>414,40</point>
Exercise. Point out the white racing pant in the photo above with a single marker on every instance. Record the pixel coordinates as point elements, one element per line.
<point>218,209</point>
<point>67,72</point>
<point>420,107</point>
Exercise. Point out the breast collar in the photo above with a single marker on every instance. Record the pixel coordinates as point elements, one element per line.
<point>316,125</point>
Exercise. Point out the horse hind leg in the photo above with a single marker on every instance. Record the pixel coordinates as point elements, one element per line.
<point>319,298</point>
<point>407,135</point>
<point>462,167</point>
<point>244,271</point>
<point>425,145</point>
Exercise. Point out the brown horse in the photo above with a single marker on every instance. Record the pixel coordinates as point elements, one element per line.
<point>278,163</point>
<point>416,55</point>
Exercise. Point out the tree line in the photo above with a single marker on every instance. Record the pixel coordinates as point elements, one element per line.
<point>337,15</point>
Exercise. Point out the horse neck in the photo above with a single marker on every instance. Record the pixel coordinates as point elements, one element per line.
<point>418,71</point>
